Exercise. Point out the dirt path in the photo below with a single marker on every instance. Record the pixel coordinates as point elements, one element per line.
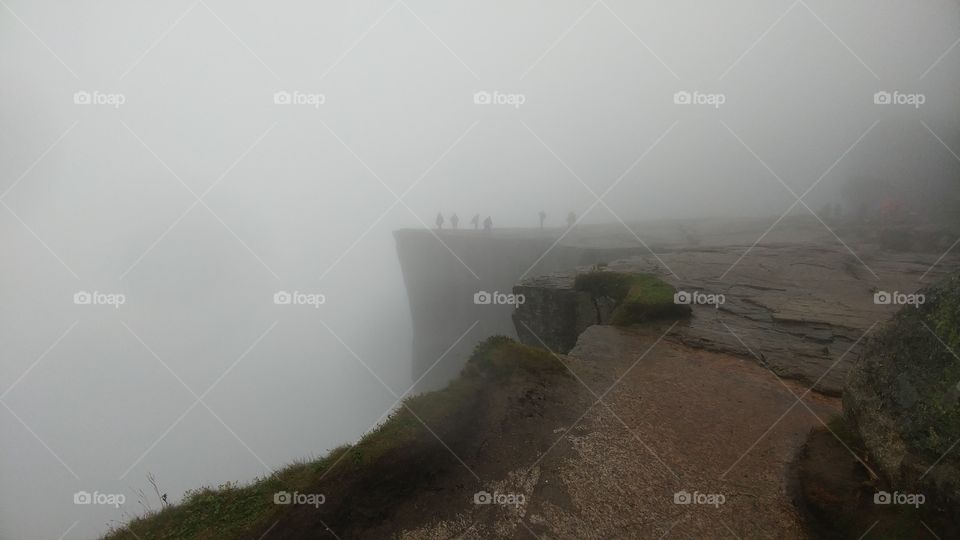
<point>679,420</point>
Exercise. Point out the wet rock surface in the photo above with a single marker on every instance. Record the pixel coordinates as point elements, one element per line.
<point>720,404</point>
<point>802,310</point>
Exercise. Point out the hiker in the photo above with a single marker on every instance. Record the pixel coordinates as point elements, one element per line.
<point>543,216</point>
<point>454,221</point>
<point>571,219</point>
<point>439,221</point>
<point>487,224</point>
<point>476,222</point>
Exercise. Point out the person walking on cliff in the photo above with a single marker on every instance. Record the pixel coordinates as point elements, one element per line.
<point>454,221</point>
<point>571,219</point>
<point>439,221</point>
<point>476,222</point>
<point>543,216</point>
<point>487,224</point>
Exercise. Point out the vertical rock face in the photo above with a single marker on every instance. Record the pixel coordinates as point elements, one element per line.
<point>443,276</point>
<point>903,395</point>
<point>553,313</point>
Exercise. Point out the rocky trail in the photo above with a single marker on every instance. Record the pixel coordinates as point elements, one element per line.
<point>690,430</point>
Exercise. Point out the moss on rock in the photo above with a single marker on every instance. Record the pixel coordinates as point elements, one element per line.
<point>903,395</point>
<point>638,297</point>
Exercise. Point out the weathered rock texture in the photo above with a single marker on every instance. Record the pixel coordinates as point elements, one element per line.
<point>554,313</point>
<point>798,302</point>
<point>904,395</point>
<point>442,273</point>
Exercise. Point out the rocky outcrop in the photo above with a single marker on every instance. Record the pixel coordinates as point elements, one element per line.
<point>560,306</point>
<point>553,314</point>
<point>799,303</point>
<point>443,273</point>
<point>903,395</point>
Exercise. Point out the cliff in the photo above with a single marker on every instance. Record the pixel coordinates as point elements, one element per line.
<point>442,274</point>
<point>667,427</point>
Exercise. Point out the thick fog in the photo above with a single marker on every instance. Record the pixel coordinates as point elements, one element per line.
<point>145,152</point>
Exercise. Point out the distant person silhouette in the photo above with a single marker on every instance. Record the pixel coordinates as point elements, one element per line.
<point>454,221</point>
<point>543,216</point>
<point>476,222</point>
<point>487,224</point>
<point>571,219</point>
<point>439,221</point>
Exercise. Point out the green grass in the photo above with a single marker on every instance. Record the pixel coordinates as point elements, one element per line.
<point>638,297</point>
<point>239,511</point>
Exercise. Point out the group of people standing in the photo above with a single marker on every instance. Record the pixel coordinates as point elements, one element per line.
<point>455,222</point>
<point>488,222</point>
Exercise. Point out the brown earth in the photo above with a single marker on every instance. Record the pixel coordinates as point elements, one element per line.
<point>837,494</point>
<point>678,419</point>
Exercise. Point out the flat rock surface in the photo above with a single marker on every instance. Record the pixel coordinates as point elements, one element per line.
<point>800,305</point>
<point>715,406</point>
<point>672,419</point>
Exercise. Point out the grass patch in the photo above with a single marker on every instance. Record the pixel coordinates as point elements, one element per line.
<point>362,470</point>
<point>501,357</point>
<point>638,297</point>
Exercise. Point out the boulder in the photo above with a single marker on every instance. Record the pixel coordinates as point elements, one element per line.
<point>903,395</point>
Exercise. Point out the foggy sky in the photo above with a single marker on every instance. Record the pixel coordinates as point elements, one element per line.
<point>304,198</point>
